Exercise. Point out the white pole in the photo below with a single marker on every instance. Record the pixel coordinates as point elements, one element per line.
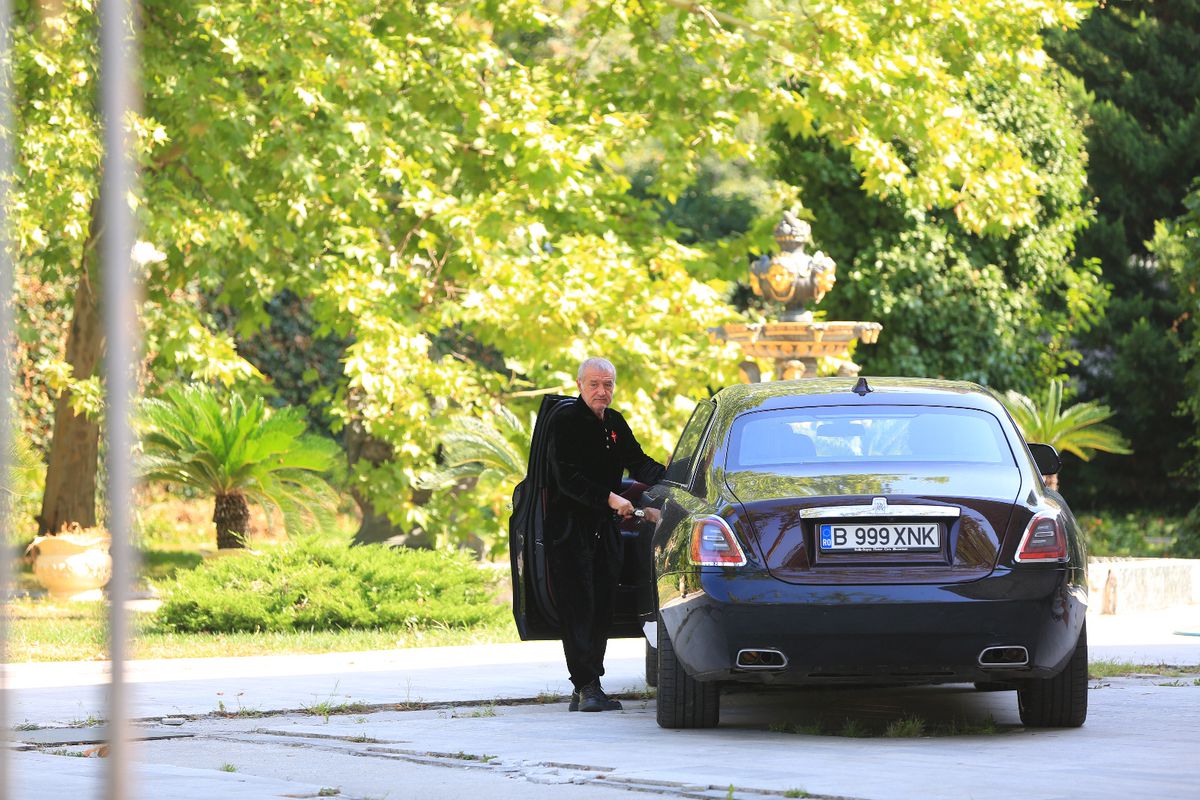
<point>6,330</point>
<point>117,60</point>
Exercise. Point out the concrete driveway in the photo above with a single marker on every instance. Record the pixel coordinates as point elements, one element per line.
<point>489,722</point>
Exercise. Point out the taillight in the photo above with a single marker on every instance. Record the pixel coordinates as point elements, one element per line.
<point>714,545</point>
<point>1044,540</point>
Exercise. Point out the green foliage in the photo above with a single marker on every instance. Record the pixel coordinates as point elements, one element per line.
<point>998,309</point>
<point>215,442</point>
<point>473,237</point>
<point>1187,537</point>
<point>474,448</point>
<point>1177,245</point>
<point>1142,535</point>
<point>1078,429</point>
<point>906,727</point>
<point>1138,61</point>
<point>308,585</point>
<point>21,485</point>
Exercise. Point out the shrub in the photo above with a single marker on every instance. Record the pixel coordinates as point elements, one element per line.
<point>1134,535</point>
<point>309,585</point>
<point>1187,538</point>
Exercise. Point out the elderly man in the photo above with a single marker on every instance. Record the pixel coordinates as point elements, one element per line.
<point>591,447</point>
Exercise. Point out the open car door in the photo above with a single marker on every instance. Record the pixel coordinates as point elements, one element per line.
<point>534,610</point>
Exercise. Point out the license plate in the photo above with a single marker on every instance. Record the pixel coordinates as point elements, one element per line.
<point>874,537</point>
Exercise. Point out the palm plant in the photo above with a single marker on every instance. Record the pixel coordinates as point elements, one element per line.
<point>238,452</point>
<point>1078,429</point>
<point>473,448</point>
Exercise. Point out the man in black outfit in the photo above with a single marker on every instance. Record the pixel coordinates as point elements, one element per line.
<point>591,446</point>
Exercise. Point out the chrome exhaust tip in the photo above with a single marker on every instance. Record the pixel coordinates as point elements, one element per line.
<point>756,658</point>
<point>1004,656</point>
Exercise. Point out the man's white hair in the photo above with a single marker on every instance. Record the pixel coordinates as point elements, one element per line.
<point>602,364</point>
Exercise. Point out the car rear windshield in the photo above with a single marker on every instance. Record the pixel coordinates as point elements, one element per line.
<point>792,440</point>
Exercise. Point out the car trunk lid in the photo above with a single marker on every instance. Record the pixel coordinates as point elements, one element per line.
<point>923,524</point>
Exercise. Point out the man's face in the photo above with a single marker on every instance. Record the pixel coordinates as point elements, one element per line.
<point>596,388</point>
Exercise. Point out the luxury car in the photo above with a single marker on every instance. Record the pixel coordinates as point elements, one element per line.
<point>833,531</point>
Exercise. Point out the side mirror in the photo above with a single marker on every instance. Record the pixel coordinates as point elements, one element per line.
<point>1046,458</point>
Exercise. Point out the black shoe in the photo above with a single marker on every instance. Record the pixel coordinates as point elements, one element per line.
<point>591,698</point>
<point>599,700</point>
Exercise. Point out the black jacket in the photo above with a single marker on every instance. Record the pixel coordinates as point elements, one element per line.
<point>587,459</point>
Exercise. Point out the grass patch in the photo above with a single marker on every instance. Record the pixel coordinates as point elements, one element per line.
<point>240,711</point>
<point>327,708</point>
<point>853,729</point>
<point>1123,669</point>
<point>47,630</point>
<point>795,793</point>
<point>90,721</point>
<point>986,727</point>
<point>486,711</point>
<point>228,768</point>
<point>79,635</point>
<point>910,726</point>
<point>905,728</point>
<point>811,729</point>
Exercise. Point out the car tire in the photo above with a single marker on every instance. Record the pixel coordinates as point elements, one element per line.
<point>651,665</point>
<point>1061,701</point>
<point>683,701</point>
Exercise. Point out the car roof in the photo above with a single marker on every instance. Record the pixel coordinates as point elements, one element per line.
<point>838,391</point>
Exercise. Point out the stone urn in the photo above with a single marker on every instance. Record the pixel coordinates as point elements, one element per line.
<point>73,564</point>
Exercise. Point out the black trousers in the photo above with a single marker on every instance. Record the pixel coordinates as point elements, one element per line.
<point>584,571</point>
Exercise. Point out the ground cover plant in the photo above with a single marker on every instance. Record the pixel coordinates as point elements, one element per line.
<point>174,531</point>
<point>310,585</point>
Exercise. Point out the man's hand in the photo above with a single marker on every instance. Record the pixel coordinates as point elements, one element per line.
<point>620,505</point>
<point>652,514</point>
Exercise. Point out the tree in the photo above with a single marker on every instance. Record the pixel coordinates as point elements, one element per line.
<point>443,185</point>
<point>1000,309</point>
<point>1176,245</point>
<point>198,438</point>
<point>1137,59</point>
<point>1078,429</point>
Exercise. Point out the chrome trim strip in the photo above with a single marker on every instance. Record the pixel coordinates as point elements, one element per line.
<point>737,661</point>
<point>899,510</point>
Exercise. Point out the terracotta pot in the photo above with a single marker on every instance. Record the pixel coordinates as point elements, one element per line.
<point>72,566</point>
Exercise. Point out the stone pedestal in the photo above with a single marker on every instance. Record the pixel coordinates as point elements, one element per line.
<point>795,347</point>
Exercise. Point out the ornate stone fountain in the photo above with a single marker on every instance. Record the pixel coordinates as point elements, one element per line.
<point>793,277</point>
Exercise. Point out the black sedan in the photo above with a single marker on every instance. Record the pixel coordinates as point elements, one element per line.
<point>828,531</point>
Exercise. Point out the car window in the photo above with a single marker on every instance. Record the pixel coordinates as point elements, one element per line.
<point>875,435</point>
<point>680,467</point>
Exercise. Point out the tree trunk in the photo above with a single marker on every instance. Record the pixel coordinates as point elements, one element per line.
<point>376,528</point>
<point>231,514</point>
<point>70,493</point>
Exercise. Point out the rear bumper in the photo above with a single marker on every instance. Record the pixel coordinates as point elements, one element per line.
<point>873,633</point>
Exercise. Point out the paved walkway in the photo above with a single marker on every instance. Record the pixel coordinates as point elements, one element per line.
<point>66,694</point>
